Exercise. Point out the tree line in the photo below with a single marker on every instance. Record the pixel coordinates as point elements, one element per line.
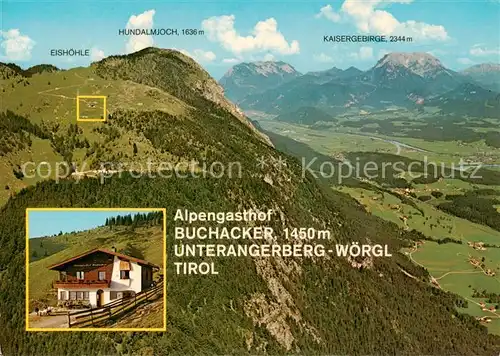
<point>139,219</point>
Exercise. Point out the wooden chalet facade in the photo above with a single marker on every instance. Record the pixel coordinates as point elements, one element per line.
<point>100,276</point>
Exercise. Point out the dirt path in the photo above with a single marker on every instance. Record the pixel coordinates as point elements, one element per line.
<point>47,92</point>
<point>49,321</point>
<point>410,254</point>
<point>408,274</point>
<point>457,272</point>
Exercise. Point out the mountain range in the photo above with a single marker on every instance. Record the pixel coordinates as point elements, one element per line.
<point>251,78</point>
<point>487,74</point>
<point>397,79</point>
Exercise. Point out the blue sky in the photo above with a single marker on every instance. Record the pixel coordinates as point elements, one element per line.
<point>47,223</point>
<point>460,33</point>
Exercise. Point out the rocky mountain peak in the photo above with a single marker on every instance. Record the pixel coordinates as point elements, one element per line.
<point>422,64</point>
<point>251,77</point>
<point>270,67</point>
<point>263,68</point>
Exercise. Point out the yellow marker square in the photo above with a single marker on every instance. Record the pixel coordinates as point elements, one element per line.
<point>86,100</point>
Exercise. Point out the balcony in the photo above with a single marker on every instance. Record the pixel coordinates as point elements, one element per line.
<point>81,283</point>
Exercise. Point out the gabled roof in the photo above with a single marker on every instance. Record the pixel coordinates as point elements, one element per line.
<point>109,252</point>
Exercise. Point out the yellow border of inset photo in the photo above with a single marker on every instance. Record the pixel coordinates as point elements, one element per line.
<point>78,97</point>
<point>27,328</point>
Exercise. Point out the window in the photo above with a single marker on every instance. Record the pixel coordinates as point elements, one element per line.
<point>62,295</point>
<point>76,295</point>
<point>80,275</point>
<point>102,275</point>
<point>124,274</point>
<point>119,295</point>
<point>63,276</point>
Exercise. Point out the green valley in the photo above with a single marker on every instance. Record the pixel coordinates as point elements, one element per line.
<point>451,207</point>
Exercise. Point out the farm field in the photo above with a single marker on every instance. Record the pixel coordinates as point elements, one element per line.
<point>331,138</point>
<point>450,265</point>
<point>426,219</point>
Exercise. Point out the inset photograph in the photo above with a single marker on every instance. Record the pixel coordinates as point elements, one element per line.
<point>95,269</point>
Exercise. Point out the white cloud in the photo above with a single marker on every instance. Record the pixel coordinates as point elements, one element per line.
<point>265,36</point>
<point>383,52</point>
<point>323,58</point>
<point>208,56</point>
<point>437,52</point>
<point>96,54</point>
<point>16,47</point>
<point>465,61</point>
<point>269,57</point>
<point>328,13</point>
<point>200,55</point>
<point>231,60</point>
<point>141,21</point>
<point>364,53</point>
<point>367,18</point>
<point>478,50</point>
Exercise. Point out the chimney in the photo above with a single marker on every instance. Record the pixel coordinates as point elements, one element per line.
<point>113,249</point>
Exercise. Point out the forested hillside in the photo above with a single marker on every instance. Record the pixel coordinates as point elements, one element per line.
<point>335,301</point>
